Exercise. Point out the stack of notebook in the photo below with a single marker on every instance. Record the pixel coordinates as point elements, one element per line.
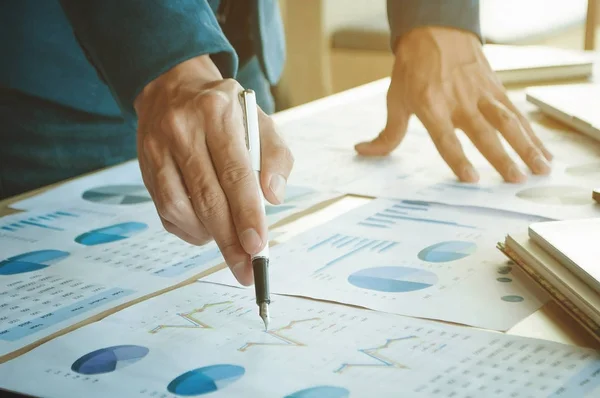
<point>563,257</point>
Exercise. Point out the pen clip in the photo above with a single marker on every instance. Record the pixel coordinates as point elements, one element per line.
<point>250,116</point>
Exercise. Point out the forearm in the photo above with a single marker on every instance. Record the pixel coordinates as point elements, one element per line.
<point>406,15</point>
<point>133,42</point>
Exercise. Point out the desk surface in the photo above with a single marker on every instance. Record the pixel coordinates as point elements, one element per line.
<point>550,322</point>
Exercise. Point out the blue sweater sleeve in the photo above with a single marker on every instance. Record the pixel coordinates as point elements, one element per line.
<point>405,15</point>
<point>131,42</point>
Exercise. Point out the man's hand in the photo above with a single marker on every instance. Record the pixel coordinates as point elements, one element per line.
<point>442,76</point>
<point>195,164</point>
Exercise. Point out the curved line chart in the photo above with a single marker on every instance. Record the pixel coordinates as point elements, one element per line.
<point>277,333</point>
<point>383,361</point>
<point>194,323</point>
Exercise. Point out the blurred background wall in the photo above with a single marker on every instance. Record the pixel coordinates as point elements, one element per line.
<point>334,45</point>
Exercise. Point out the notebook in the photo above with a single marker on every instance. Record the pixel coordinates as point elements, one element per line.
<point>517,64</point>
<point>573,243</point>
<point>576,105</point>
<point>563,258</point>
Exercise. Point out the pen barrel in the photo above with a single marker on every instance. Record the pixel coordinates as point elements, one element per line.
<point>260,265</point>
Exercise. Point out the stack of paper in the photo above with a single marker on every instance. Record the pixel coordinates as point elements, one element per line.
<point>562,257</point>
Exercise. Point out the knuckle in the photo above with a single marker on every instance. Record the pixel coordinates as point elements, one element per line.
<point>506,119</point>
<point>213,101</point>
<point>171,209</point>
<point>209,203</point>
<point>173,121</point>
<point>235,174</point>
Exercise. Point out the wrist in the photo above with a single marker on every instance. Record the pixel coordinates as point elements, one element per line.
<point>440,38</point>
<point>198,71</point>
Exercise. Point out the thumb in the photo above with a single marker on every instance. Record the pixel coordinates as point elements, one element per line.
<point>393,133</point>
<point>276,161</point>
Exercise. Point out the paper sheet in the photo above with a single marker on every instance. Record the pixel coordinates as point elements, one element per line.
<point>411,258</point>
<point>205,338</point>
<point>564,194</point>
<point>58,267</point>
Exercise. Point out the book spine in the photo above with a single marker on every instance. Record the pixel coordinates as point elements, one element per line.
<point>589,324</point>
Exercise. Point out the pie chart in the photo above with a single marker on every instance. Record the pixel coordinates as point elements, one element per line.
<point>393,279</point>
<point>585,170</point>
<point>112,233</point>
<point>117,195</point>
<point>109,359</point>
<point>447,251</point>
<point>31,261</point>
<point>205,380</point>
<point>563,195</point>
<point>321,392</point>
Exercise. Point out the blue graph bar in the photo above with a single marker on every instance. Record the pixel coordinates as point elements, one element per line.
<point>388,247</point>
<point>16,226</point>
<point>409,207</point>
<point>367,224</point>
<point>343,242</point>
<point>64,213</point>
<point>396,211</point>
<point>346,243</point>
<point>416,203</point>
<point>464,187</point>
<point>323,242</point>
<point>9,229</point>
<point>52,216</point>
<point>40,225</point>
<point>377,246</point>
<point>45,218</point>
<point>380,220</point>
<point>350,253</point>
<point>425,220</point>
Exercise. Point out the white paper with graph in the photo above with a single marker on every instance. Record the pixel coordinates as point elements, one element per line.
<point>120,190</point>
<point>565,194</point>
<point>208,339</point>
<point>411,258</point>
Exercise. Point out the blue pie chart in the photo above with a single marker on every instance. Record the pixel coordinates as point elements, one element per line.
<point>205,380</point>
<point>32,261</point>
<point>106,360</point>
<point>444,252</point>
<point>393,279</point>
<point>112,233</point>
<point>321,392</point>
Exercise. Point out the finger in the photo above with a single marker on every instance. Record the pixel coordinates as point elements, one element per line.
<point>508,124</point>
<point>276,161</point>
<point>395,129</point>
<point>172,228</point>
<point>486,140</point>
<point>227,145</point>
<point>525,123</point>
<point>210,205</point>
<point>192,158</point>
<point>438,123</point>
<point>170,195</point>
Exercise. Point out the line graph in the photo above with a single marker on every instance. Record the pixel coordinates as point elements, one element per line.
<point>383,361</point>
<point>190,317</point>
<point>278,334</point>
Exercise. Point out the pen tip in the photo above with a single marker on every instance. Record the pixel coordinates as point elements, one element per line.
<point>264,314</point>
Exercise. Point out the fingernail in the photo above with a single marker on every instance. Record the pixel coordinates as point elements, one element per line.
<point>540,165</point>
<point>250,240</point>
<point>277,186</point>
<point>238,270</point>
<point>470,174</point>
<point>514,174</point>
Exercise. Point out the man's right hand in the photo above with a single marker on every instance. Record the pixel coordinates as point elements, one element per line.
<point>195,164</point>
